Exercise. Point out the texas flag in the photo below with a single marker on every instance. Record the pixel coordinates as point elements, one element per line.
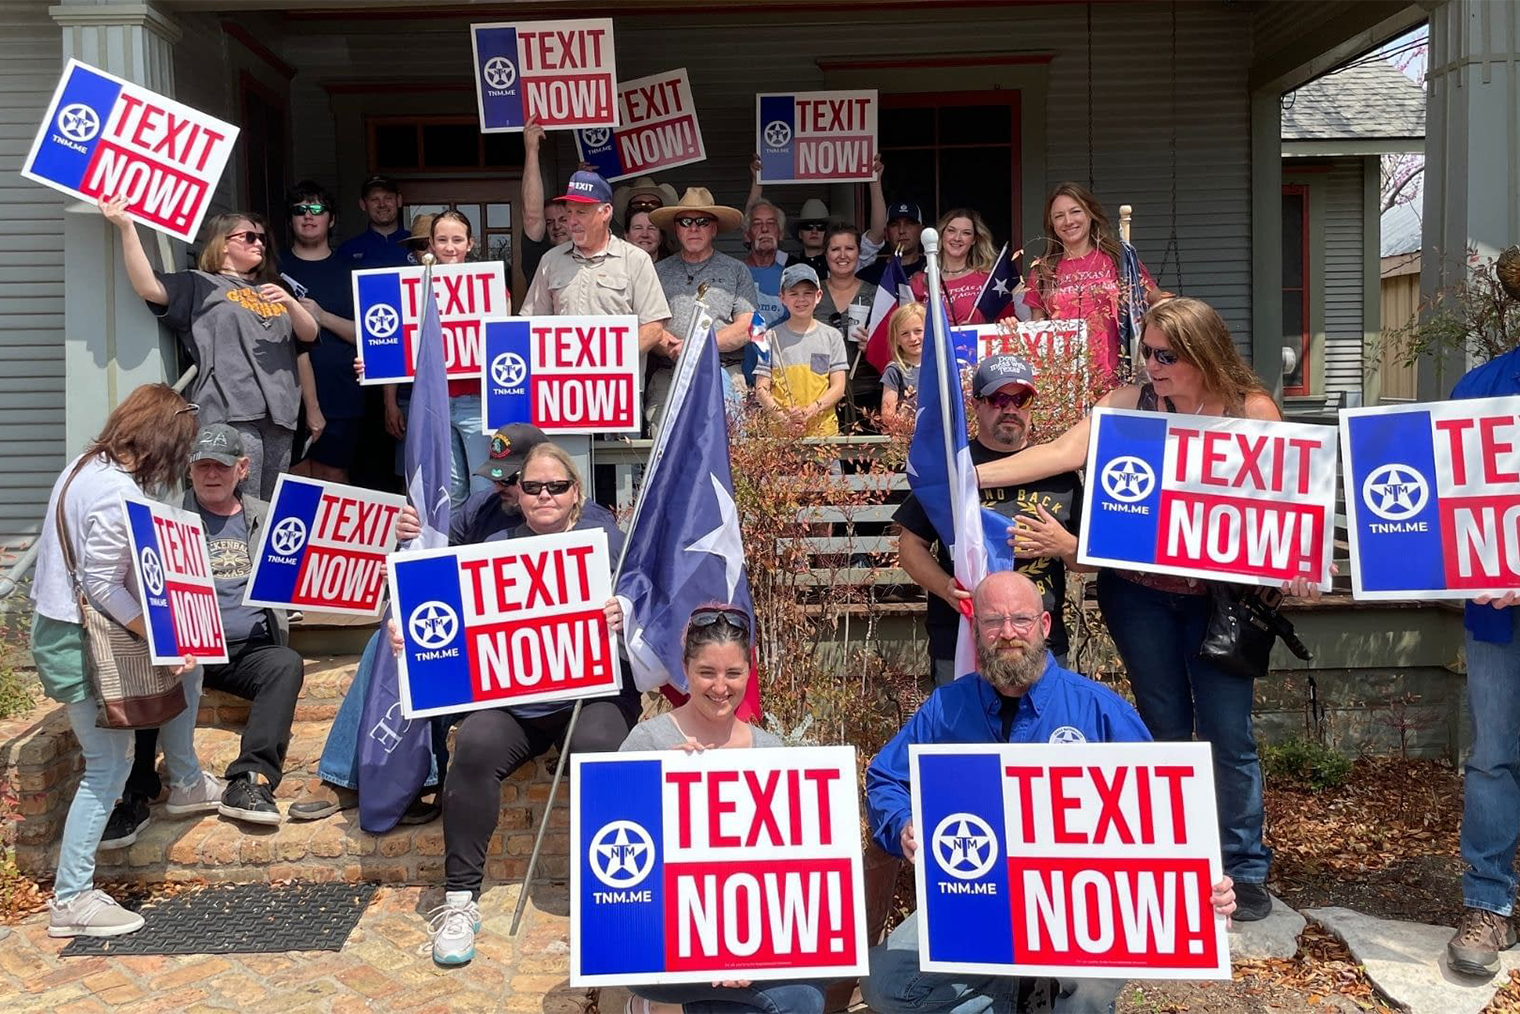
<point>890,294</point>
<point>997,291</point>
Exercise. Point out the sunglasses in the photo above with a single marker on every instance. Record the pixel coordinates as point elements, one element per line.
<point>249,237</point>
<point>710,615</point>
<point>190,406</point>
<point>1163,357</point>
<point>644,205</point>
<point>308,209</point>
<point>1004,400</point>
<point>689,222</point>
<point>533,487</point>
<point>510,480</point>
<point>812,226</point>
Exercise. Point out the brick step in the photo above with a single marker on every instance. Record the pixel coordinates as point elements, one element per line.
<point>327,681</point>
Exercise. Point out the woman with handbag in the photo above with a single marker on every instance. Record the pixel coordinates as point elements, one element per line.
<point>87,640</point>
<point>1159,622</point>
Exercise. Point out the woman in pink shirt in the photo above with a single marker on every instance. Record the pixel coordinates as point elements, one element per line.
<point>966,258</point>
<point>1079,278</point>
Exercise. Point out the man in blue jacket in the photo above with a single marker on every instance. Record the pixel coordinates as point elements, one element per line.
<point>1017,695</point>
<point>1491,778</point>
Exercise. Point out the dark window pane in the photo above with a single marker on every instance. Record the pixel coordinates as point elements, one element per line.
<point>1293,241</point>
<point>909,176</point>
<point>977,178</point>
<point>906,125</point>
<point>1293,335</point>
<point>450,144</point>
<point>504,149</point>
<point>396,146</point>
<point>984,124</point>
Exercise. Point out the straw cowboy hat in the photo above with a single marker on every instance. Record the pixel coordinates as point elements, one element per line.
<point>697,199</point>
<point>422,231</point>
<point>624,195</point>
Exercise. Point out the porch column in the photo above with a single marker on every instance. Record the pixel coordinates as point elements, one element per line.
<point>112,343</point>
<point>1472,135</point>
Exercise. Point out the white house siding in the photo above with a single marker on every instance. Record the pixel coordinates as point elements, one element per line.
<point>1343,276</point>
<point>31,279</point>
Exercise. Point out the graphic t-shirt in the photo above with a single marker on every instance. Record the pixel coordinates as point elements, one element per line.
<point>768,289</point>
<point>231,567</point>
<point>960,293</point>
<point>799,369</point>
<point>1087,288</point>
<point>1060,495</point>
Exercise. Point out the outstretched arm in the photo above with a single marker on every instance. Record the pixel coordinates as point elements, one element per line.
<point>139,272</point>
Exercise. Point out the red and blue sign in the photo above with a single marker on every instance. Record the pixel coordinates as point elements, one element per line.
<point>1241,500</point>
<point>1433,499</point>
<point>561,73</point>
<point>813,137</point>
<point>657,129</point>
<point>106,137</point>
<point>562,374</point>
<point>514,621</point>
<point>388,306</point>
<point>323,546</point>
<point>728,864</point>
<point>1062,858</point>
<point>172,567</point>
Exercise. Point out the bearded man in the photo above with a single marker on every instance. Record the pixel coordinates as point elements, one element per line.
<point>1019,694</point>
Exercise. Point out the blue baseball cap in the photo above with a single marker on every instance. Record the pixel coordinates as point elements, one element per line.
<point>796,273</point>
<point>905,209</point>
<point>996,372</point>
<point>587,188</point>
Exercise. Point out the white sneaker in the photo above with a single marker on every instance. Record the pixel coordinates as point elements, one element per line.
<point>90,914</point>
<point>454,925</point>
<point>204,796</point>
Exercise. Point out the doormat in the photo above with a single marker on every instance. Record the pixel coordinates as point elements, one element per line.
<point>240,919</point>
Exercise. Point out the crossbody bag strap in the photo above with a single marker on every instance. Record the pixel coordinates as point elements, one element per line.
<point>69,563</point>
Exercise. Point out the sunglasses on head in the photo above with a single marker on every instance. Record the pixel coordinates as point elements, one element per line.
<point>249,237</point>
<point>691,222</point>
<point>313,208</point>
<point>709,615</point>
<point>1163,357</point>
<point>533,487</point>
<point>190,406</point>
<point>1004,400</point>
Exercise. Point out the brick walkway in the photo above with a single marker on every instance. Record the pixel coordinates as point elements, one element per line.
<point>386,966</point>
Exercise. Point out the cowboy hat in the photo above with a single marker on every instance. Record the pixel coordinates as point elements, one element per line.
<point>697,199</point>
<point>422,231</point>
<point>624,195</point>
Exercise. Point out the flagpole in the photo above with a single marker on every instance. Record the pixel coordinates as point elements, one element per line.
<point>680,383</point>
<point>947,365</point>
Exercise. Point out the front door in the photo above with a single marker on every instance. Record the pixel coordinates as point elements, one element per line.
<point>491,205</point>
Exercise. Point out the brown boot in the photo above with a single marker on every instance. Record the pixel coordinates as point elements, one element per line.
<point>325,801</point>
<point>1474,948</point>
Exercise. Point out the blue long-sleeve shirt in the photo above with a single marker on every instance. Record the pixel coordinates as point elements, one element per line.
<point>1061,707</point>
<point>1497,378</point>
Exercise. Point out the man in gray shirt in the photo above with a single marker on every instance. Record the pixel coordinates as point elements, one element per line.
<point>728,288</point>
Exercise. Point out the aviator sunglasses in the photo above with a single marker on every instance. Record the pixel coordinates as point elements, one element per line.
<point>1163,357</point>
<point>708,616</point>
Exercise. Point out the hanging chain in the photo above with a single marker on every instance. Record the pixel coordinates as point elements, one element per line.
<point>1090,184</point>
<point>1172,247</point>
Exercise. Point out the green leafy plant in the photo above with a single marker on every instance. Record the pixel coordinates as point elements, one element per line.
<point>1306,763</point>
<point>1479,313</point>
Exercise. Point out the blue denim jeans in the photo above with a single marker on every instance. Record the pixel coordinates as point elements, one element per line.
<point>340,754</point>
<point>1491,786</point>
<point>469,447</point>
<point>1158,635</point>
<point>759,998</point>
<point>896,986</point>
<point>107,760</point>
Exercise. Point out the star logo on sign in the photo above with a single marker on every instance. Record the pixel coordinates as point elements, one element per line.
<point>152,572</point>
<point>596,137</point>
<point>777,134</point>
<point>381,320</point>
<point>1068,734</point>
<point>433,624</point>
<point>1128,479</point>
<point>288,536</point>
<point>964,846</point>
<point>1395,492</point>
<point>508,370</point>
<point>499,72</point>
<point>723,541</point>
<point>78,122</point>
<point>621,854</point>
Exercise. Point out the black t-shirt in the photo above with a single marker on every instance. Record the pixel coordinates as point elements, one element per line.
<point>1060,495</point>
<point>329,282</point>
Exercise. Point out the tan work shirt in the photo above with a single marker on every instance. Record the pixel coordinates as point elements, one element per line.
<point>618,280</point>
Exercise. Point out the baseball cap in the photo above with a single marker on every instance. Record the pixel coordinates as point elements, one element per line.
<point>905,209</point>
<point>509,446</point>
<point>587,188</point>
<point>218,442</point>
<point>797,272</point>
<point>1000,371</point>
<point>379,181</point>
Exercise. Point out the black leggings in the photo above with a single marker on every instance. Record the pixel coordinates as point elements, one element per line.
<point>488,747</point>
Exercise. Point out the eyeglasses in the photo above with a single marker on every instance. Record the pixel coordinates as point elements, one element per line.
<point>249,237</point>
<point>313,208</point>
<point>1004,400</point>
<point>689,222</point>
<point>1020,624</point>
<point>533,487</point>
<point>1163,357</point>
<point>190,406</point>
<point>812,226</point>
<point>709,615</point>
<point>646,205</point>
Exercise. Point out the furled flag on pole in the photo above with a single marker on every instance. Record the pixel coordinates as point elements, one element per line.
<point>942,477</point>
<point>890,294</point>
<point>393,767</point>
<point>684,548</point>
<point>997,290</point>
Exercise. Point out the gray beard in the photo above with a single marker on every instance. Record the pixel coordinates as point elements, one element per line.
<point>1007,672</point>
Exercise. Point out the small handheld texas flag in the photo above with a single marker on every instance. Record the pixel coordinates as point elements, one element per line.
<point>892,293</point>
<point>757,333</point>
<point>997,290</point>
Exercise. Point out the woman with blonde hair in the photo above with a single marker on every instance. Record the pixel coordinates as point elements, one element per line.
<point>1157,620</point>
<point>239,326</point>
<point>966,257</point>
<point>1089,273</point>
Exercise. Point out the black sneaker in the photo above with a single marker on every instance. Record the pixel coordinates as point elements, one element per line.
<point>127,821</point>
<point>420,812</point>
<point>249,799</point>
<point>1252,902</point>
